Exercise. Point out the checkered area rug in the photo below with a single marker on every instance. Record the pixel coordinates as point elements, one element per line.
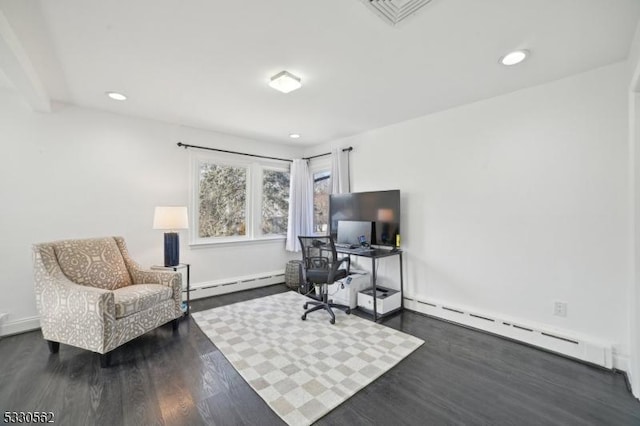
<point>302,369</point>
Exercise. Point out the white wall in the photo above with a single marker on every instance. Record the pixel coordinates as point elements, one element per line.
<point>78,173</point>
<point>634,287</point>
<point>634,204</point>
<point>512,203</point>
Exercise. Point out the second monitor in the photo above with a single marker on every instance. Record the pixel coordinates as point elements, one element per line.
<point>353,233</point>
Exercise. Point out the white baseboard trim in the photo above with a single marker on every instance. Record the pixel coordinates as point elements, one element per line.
<point>231,285</point>
<point>621,362</point>
<point>575,345</point>
<point>19,326</point>
<point>635,387</point>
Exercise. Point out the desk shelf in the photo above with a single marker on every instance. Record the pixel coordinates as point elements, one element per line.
<point>374,255</point>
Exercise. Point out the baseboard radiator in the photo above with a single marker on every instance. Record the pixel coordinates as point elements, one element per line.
<point>231,285</point>
<point>569,344</point>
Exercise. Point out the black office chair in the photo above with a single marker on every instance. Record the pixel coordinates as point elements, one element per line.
<point>321,266</point>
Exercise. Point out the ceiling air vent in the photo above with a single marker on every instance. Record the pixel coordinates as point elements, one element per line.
<point>395,11</point>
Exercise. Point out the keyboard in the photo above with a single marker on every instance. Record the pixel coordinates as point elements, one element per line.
<point>346,246</point>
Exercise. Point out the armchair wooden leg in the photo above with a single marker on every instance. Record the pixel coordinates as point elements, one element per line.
<point>175,323</point>
<point>105,360</point>
<point>54,347</point>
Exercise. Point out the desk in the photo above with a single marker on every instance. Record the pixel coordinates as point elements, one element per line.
<point>374,255</point>
<point>175,269</point>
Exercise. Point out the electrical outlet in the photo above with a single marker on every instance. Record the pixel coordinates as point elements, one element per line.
<point>560,309</point>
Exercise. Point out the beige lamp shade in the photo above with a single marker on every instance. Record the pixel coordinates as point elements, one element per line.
<point>170,217</point>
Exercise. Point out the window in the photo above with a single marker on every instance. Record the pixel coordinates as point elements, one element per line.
<point>238,200</point>
<point>222,196</point>
<point>275,201</point>
<point>321,189</point>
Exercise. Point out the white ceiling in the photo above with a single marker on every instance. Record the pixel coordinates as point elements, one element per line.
<point>5,83</point>
<point>206,63</point>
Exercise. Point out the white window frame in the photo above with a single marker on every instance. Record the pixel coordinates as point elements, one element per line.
<point>253,212</point>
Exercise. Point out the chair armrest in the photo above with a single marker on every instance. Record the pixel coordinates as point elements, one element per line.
<point>336,266</point>
<point>168,279</point>
<point>76,299</point>
<point>346,259</point>
<point>145,276</point>
<point>77,315</point>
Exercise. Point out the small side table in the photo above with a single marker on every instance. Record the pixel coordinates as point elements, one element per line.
<point>176,269</point>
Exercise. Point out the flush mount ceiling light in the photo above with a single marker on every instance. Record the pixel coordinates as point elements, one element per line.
<point>294,135</point>
<point>116,96</point>
<point>285,82</point>
<point>514,57</point>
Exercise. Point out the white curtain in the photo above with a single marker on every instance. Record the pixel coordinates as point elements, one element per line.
<point>300,204</point>
<point>339,172</point>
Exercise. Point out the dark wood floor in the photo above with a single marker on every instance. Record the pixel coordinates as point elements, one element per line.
<point>458,377</point>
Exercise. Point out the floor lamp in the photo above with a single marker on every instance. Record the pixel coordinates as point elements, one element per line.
<point>171,218</point>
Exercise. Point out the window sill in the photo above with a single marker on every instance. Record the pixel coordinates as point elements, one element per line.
<point>279,239</point>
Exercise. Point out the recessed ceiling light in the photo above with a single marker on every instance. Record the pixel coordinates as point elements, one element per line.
<point>116,96</point>
<point>514,57</point>
<point>285,82</point>
<point>294,135</point>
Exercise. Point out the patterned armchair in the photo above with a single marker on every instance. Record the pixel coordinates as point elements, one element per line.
<point>92,295</point>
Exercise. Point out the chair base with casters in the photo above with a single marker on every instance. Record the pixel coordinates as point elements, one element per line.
<point>321,266</point>
<point>325,304</point>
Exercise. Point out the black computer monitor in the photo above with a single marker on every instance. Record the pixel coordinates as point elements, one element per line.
<point>381,208</point>
<point>353,233</point>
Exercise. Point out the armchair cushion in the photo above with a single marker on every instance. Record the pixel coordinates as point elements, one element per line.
<point>95,262</point>
<point>138,297</point>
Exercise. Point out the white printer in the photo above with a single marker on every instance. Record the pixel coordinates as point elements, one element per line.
<point>345,291</point>
<point>387,300</point>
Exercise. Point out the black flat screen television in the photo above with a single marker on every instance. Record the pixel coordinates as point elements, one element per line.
<point>381,208</point>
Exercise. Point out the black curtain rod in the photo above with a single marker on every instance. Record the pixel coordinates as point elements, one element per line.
<point>349,149</point>
<point>180,144</point>
<point>232,152</point>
